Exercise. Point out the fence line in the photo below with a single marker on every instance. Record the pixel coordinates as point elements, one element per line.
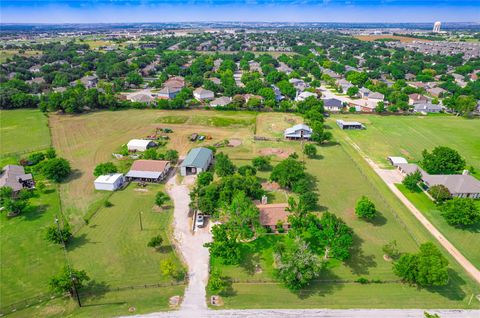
<point>44,298</point>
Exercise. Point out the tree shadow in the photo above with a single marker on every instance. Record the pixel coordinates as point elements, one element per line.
<point>358,262</point>
<point>474,228</point>
<point>378,220</point>
<point>250,263</point>
<point>321,208</point>
<point>452,290</point>
<point>229,291</point>
<point>317,157</point>
<point>94,290</point>
<point>330,144</point>
<point>164,249</point>
<point>34,212</point>
<point>77,241</point>
<point>75,174</point>
<point>326,285</point>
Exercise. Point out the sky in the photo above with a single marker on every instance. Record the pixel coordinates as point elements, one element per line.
<point>116,11</point>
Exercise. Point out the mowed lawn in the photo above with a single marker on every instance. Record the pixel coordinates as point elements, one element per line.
<point>22,131</point>
<point>407,136</point>
<point>90,139</point>
<point>466,240</point>
<point>112,248</point>
<point>27,260</point>
<point>342,177</point>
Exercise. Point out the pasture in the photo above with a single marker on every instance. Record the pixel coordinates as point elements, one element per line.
<point>407,136</point>
<point>23,131</point>
<point>90,139</point>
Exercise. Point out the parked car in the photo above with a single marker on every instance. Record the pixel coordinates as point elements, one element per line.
<point>200,138</point>
<point>193,137</point>
<point>200,221</point>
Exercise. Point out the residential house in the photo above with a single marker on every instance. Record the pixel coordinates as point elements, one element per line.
<point>89,81</point>
<point>417,99</point>
<point>148,170</point>
<point>364,92</point>
<point>436,91</point>
<point>274,215</point>
<point>201,94</point>
<point>304,95</point>
<point>109,182</point>
<point>376,97</point>
<point>459,185</point>
<point>14,177</point>
<point>425,108</point>
<point>332,104</point>
<point>35,68</point>
<point>215,80</point>
<point>175,81</point>
<point>299,84</point>
<point>141,98</point>
<point>349,124</point>
<point>248,96</point>
<point>168,92</point>
<point>300,131</point>
<point>278,93</point>
<point>344,84</point>
<point>284,68</point>
<point>36,80</point>
<point>140,145</point>
<point>196,161</point>
<point>221,101</point>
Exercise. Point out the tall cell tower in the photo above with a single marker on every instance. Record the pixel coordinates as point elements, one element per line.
<point>436,26</point>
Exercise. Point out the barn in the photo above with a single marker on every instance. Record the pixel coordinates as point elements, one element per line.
<point>197,160</point>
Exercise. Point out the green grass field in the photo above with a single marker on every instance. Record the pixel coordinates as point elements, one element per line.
<point>465,240</point>
<point>23,131</point>
<point>407,136</point>
<point>27,259</point>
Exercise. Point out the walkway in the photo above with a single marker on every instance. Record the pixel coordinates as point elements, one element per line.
<point>388,176</point>
<point>190,244</point>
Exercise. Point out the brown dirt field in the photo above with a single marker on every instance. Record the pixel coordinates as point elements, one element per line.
<point>234,142</point>
<point>89,139</point>
<point>273,124</point>
<point>282,153</point>
<point>405,39</point>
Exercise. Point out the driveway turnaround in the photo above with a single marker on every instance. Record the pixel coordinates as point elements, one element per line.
<point>387,177</point>
<point>190,244</point>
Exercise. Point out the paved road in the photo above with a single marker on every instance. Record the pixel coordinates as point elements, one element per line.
<point>330,313</point>
<point>191,246</point>
<point>388,176</point>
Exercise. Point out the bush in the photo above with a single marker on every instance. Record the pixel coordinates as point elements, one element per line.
<point>362,280</point>
<point>155,242</point>
<point>161,198</point>
<point>35,158</point>
<point>58,236</point>
<point>439,192</point>
<point>107,204</point>
<point>104,168</point>
<point>262,163</point>
<point>56,169</point>
<point>310,150</point>
<point>411,181</point>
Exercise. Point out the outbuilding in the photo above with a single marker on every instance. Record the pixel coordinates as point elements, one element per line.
<point>300,131</point>
<point>395,161</point>
<point>196,161</point>
<point>140,144</point>
<point>148,170</point>
<point>109,182</point>
<point>349,124</point>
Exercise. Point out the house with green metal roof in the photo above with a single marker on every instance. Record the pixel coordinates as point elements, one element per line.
<point>196,161</point>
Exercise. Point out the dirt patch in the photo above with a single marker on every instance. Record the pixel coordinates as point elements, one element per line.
<point>279,152</point>
<point>174,301</point>
<point>141,190</point>
<point>234,142</point>
<point>270,186</point>
<point>386,258</point>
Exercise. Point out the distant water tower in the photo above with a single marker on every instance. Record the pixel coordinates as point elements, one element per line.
<point>436,26</point>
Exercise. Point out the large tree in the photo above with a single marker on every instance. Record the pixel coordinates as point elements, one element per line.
<point>460,212</point>
<point>365,208</point>
<point>298,265</point>
<point>411,180</point>
<point>442,160</point>
<point>427,268</point>
<point>104,168</point>
<point>56,169</point>
<point>288,172</point>
<point>225,245</point>
<point>223,165</point>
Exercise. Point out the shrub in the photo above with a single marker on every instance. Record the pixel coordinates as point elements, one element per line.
<point>365,208</point>
<point>155,242</point>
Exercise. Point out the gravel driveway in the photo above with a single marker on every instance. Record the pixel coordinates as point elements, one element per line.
<point>191,246</point>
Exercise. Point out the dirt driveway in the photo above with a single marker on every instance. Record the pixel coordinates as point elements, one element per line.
<point>190,244</point>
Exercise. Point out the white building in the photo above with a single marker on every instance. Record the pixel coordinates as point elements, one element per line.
<point>304,95</point>
<point>300,131</point>
<point>140,145</point>
<point>109,182</point>
<point>203,94</point>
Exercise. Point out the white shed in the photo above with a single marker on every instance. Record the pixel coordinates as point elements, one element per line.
<point>109,182</point>
<point>140,144</point>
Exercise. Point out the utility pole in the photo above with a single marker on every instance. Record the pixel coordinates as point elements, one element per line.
<point>140,217</point>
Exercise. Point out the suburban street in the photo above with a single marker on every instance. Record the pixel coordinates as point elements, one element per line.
<point>191,247</point>
<point>390,177</point>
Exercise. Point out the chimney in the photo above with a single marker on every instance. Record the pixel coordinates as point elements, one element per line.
<point>264,199</point>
